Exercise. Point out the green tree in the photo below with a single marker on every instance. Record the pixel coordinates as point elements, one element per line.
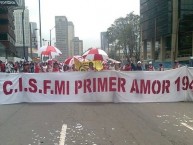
<point>124,35</point>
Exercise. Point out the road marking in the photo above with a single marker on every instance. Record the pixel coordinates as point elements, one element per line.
<point>188,126</point>
<point>63,134</point>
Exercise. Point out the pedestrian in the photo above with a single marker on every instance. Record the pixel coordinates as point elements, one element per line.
<point>176,64</point>
<point>91,67</point>
<point>161,67</point>
<point>139,66</point>
<point>112,66</point>
<point>37,68</point>
<point>151,67</point>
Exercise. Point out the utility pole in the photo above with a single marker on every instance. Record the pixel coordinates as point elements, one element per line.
<point>40,24</point>
<point>30,41</point>
<point>23,34</point>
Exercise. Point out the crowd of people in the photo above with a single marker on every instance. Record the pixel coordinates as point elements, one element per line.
<point>54,66</point>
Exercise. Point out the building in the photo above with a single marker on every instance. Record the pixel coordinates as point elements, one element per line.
<point>70,38</point>
<point>104,42</point>
<point>167,24</point>
<point>77,46</point>
<point>21,3</point>
<point>61,30</point>
<point>34,36</point>
<point>33,40</point>
<point>22,31</point>
<point>7,36</point>
<point>8,3</point>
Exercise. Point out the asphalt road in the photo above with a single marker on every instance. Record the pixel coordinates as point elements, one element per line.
<point>96,124</point>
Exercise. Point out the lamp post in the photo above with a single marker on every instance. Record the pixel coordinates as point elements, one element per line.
<point>23,34</point>
<point>51,35</point>
<point>40,24</point>
<point>30,39</point>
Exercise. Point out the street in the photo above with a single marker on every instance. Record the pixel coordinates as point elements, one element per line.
<point>96,124</point>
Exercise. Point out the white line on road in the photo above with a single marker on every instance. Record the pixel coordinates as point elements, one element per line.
<point>63,134</point>
<point>188,126</point>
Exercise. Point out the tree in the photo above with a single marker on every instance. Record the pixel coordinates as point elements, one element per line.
<point>125,34</point>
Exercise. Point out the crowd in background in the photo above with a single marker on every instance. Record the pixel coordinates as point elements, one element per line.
<point>54,66</point>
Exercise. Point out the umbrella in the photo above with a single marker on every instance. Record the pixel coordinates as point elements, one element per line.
<point>95,54</point>
<point>49,50</point>
<point>70,60</point>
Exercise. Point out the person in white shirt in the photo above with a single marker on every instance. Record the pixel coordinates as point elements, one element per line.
<point>112,66</point>
<point>151,67</point>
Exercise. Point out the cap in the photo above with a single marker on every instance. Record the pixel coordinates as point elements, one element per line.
<point>139,62</point>
<point>150,62</point>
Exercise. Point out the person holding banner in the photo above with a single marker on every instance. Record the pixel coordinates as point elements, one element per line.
<point>112,66</point>
<point>161,67</point>
<point>117,66</point>
<point>37,68</point>
<point>176,64</point>
<point>56,67</point>
<point>73,68</point>
<point>66,68</point>
<point>91,67</point>
<point>139,66</point>
<point>151,67</point>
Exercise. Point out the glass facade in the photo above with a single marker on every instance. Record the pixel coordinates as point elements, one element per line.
<point>185,28</point>
<point>7,41</point>
<point>156,18</point>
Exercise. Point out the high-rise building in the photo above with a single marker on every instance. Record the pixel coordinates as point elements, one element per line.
<point>7,36</point>
<point>22,32</point>
<point>21,3</point>
<point>8,3</point>
<point>168,25</point>
<point>33,40</point>
<point>70,38</point>
<point>104,41</point>
<point>34,36</point>
<point>61,30</point>
<point>77,46</point>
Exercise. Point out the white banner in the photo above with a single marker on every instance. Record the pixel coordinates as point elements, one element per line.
<point>105,86</point>
<point>189,81</point>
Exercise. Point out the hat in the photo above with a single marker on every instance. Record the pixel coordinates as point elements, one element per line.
<point>139,62</point>
<point>150,62</point>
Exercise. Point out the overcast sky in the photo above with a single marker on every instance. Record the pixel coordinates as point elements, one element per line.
<point>90,17</point>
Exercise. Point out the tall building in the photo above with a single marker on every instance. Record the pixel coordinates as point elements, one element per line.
<point>168,25</point>
<point>33,40</point>
<point>21,3</point>
<point>34,36</point>
<point>77,46</point>
<point>61,30</point>
<point>22,32</point>
<point>70,38</point>
<point>7,36</point>
<point>8,3</point>
<point>104,41</point>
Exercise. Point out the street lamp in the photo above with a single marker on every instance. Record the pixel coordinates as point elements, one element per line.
<point>51,35</point>
<point>40,24</point>
<point>23,34</point>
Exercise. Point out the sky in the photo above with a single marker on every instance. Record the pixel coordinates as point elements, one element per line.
<point>90,17</point>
